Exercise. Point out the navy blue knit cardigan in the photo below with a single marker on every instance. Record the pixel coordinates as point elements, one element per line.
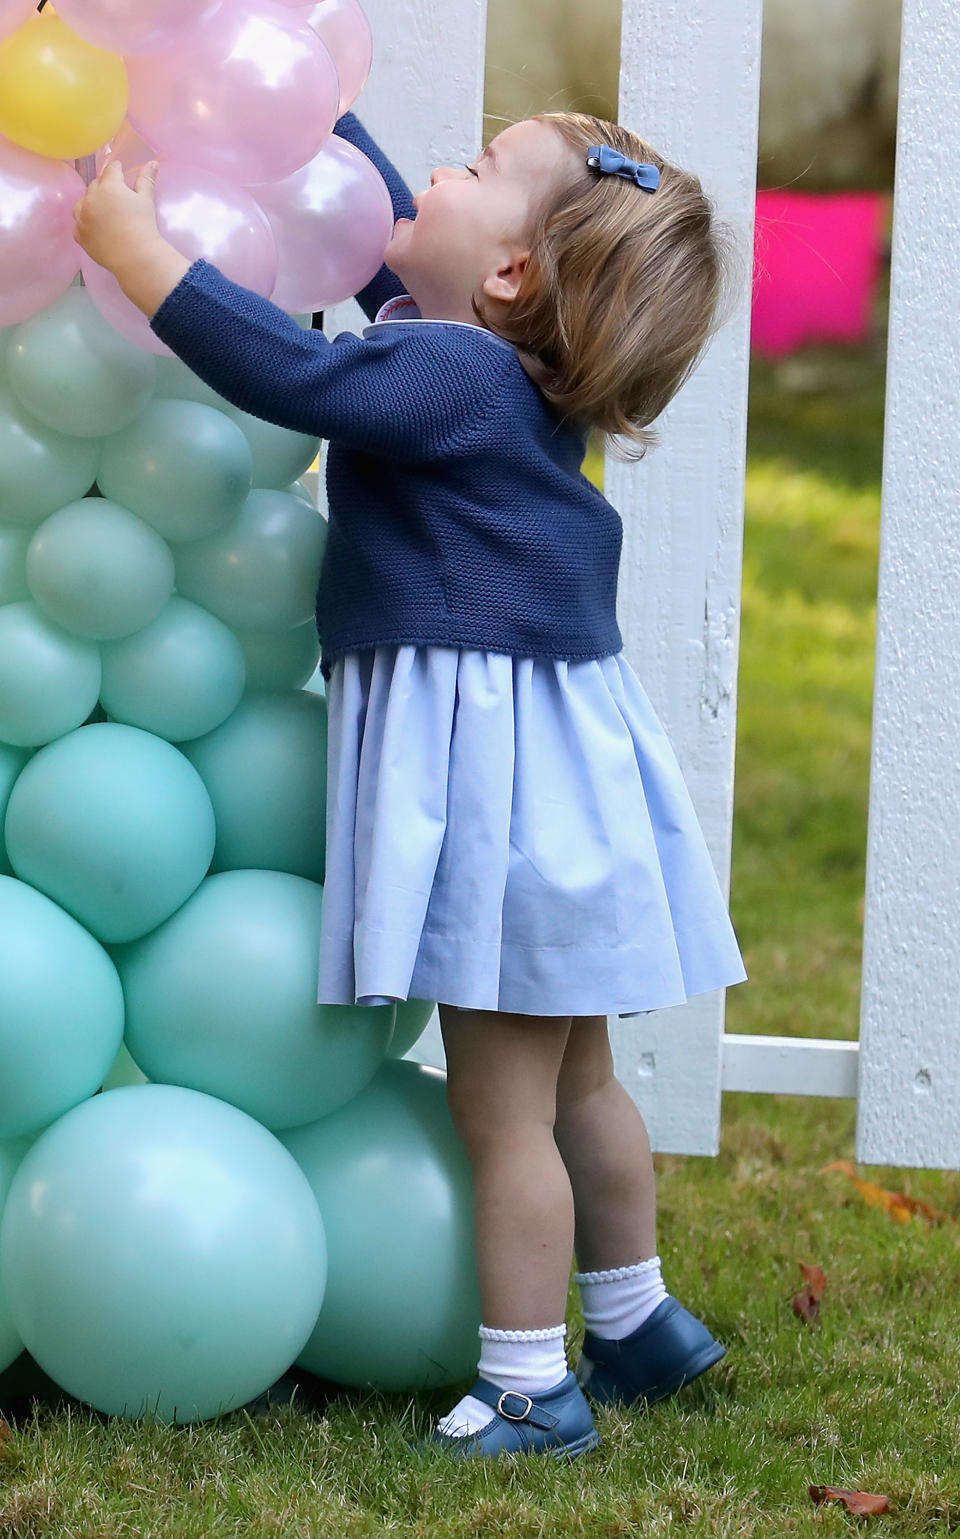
<point>459,514</point>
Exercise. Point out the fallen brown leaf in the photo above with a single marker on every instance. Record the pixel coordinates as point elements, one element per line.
<point>862,1503</point>
<point>898,1204</point>
<point>806,1303</point>
<point>6,1433</point>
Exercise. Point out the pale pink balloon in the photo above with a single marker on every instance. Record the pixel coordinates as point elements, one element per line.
<point>332,221</point>
<point>128,147</point>
<point>134,26</point>
<point>39,257</point>
<point>203,216</point>
<point>343,26</point>
<point>253,98</point>
<point>13,13</point>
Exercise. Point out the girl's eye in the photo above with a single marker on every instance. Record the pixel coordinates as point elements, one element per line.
<point>472,172</point>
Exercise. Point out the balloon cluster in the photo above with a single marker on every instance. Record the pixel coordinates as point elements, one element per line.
<point>263,1180</point>
<point>236,100</point>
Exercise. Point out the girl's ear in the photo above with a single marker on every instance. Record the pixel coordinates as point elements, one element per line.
<point>504,284</point>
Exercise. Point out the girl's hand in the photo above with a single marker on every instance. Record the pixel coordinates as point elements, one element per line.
<point>112,220</point>
<point>117,226</point>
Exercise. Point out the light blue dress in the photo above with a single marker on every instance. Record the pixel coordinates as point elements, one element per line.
<point>509,833</point>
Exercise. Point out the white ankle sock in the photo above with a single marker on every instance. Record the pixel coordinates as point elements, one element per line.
<point>527,1361</point>
<point>615,1303</point>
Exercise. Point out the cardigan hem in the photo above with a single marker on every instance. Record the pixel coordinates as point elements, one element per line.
<point>558,653</point>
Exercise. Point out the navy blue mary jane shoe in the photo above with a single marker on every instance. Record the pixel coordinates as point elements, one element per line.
<point>558,1423</point>
<point>666,1351</point>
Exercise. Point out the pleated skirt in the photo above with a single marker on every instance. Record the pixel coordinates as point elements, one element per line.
<point>515,834</point>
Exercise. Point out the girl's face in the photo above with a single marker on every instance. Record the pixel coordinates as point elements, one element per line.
<point>470,238</point>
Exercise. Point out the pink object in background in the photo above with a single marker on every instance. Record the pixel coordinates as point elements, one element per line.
<point>817,261</point>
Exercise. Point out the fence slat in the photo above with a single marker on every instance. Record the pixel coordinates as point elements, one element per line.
<point>690,85</point>
<point>910,1018</point>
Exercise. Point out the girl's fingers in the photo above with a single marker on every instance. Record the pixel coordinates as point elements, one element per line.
<point>110,172</point>
<point>147,180</point>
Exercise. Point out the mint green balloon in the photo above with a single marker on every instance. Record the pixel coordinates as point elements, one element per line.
<point>260,573</point>
<point>179,677</point>
<point>280,659</point>
<point>182,466</point>
<point>413,1016</point>
<point>391,1179</point>
<point>40,469</point>
<point>14,540</point>
<point>69,368</point>
<point>61,1011</point>
<point>12,761</point>
<point>49,680</point>
<point>162,1254</point>
<point>280,455</point>
<point>99,571</point>
<point>222,998</point>
<point>265,770</point>
<point>301,490</point>
<point>12,1151</point>
<point>114,825</point>
<point>124,1071</point>
<point>176,382</point>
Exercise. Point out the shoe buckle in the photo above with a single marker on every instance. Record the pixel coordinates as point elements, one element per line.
<point>512,1394</point>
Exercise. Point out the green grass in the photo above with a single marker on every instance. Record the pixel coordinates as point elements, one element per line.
<point>805,693</point>
<point>871,1400</point>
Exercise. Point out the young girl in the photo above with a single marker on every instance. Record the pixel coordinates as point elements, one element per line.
<point>508,829</point>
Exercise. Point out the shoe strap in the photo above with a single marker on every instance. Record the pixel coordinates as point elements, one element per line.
<point>513,1406</point>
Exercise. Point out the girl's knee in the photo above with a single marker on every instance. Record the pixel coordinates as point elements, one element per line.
<point>587,1065</point>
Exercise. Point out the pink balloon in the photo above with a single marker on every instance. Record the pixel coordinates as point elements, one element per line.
<point>134,26</point>
<point>332,221</point>
<point>203,216</point>
<point>343,26</point>
<point>39,257</point>
<point>253,98</point>
<point>126,146</point>
<point>13,13</point>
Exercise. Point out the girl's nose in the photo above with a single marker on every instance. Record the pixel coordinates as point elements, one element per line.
<point>440,174</point>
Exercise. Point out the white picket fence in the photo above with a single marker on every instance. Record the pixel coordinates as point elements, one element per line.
<point>690,78</point>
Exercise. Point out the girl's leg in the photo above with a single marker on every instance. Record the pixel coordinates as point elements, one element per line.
<point>603,1141</point>
<point>637,1346</point>
<point>502,1090</point>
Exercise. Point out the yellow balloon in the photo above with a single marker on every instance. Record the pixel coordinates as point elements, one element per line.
<point>59,95</point>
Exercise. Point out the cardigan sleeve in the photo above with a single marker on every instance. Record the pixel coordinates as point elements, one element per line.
<point>384,285</point>
<point>409,391</point>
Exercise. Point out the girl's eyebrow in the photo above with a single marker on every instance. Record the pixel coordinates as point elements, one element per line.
<point>490,154</point>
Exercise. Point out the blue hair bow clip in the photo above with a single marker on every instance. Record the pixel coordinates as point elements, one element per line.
<point>600,157</point>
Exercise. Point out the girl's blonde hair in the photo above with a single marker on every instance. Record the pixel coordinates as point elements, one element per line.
<point>621,289</point>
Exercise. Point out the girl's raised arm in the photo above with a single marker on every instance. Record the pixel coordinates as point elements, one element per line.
<point>385,285</point>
